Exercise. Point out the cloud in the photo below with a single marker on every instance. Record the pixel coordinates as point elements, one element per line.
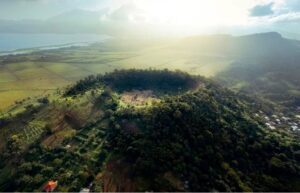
<point>125,13</point>
<point>277,12</point>
<point>262,10</point>
<point>288,17</point>
<point>122,13</point>
<point>292,5</point>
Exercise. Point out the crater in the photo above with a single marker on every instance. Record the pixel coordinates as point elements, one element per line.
<point>136,85</point>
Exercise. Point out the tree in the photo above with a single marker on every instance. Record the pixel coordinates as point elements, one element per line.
<point>177,114</point>
<point>44,100</point>
<point>14,148</point>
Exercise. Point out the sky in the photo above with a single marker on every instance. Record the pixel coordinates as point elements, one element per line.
<point>182,16</point>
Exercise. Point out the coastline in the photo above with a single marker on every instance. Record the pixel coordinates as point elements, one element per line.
<point>17,44</point>
<point>43,48</point>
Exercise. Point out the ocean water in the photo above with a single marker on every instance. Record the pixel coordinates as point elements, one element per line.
<point>12,42</point>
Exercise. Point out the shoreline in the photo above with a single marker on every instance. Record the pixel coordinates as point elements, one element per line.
<point>18,44</point>
<point>43,48</point>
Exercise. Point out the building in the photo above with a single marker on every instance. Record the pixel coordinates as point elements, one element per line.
<point>50,186</point>
<point>84,190</point>
<point>294,128</point>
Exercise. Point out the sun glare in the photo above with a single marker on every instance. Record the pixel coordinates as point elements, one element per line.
<point>192,12</point>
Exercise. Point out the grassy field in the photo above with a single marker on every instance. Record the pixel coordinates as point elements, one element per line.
<point>42,72</point>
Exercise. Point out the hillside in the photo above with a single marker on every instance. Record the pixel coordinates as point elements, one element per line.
<point>260,45</point>
<point>145,130</point>
<point>263,64</point>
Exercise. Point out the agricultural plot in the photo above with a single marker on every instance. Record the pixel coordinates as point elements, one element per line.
<point>8,98</point>
<point>33,73</point>
<point>57,139</point>
<point>193,63</point>
<point>6,76</point>
<point>68,72</point>
<point>89,141</point>
<point>32,132</point>
<point>19,66</point>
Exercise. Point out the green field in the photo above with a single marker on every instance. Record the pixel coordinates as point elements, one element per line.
<point>42,72</point>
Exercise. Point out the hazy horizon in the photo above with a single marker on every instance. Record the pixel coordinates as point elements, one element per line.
<point>151,18</point>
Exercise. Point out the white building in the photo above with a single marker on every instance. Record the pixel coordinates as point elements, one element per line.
<point>294,128</point>
<point>84,190</point>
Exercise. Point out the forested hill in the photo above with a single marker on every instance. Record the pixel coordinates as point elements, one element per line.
<point>264,64</point>
<point>183,133</point>
<point>201,141</point>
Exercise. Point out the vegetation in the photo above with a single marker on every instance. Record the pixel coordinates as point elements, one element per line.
<point>197,137</point>
<point>207,141</point>
<point>126,80</point>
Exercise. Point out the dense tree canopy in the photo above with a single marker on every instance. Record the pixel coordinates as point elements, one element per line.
<point>197,137</point>
<point>206,139</point>
<point>122,80</point>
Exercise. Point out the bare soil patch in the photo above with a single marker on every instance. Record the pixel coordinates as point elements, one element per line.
<point>137,97</point>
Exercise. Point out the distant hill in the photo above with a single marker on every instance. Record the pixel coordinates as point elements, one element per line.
<point>265,64</point>
<point>254,45</point>
<point>74,21</point>
<point>79,16</point>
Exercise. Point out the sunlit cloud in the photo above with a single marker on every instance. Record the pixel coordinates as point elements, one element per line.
<point>178,16</point>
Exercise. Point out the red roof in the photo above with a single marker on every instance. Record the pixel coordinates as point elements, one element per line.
<point>50,186</point>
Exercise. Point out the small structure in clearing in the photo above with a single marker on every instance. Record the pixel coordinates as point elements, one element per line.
<point>84,190</point>
<point>137,97</point>
<point>50,186</point>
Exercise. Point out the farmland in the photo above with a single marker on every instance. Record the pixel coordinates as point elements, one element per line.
<point>42,72</point>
